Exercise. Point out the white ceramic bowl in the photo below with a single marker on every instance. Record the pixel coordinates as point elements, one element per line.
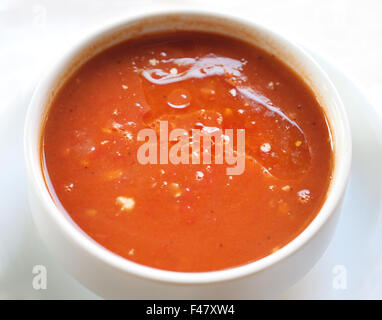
<point>112,276</point>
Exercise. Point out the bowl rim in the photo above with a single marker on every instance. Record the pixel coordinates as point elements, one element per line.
<point>79,238</point>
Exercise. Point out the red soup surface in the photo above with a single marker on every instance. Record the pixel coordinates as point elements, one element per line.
<point>187,217</point>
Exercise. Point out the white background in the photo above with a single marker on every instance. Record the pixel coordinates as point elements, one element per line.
<point>33,33</point>
<point>348,31</point>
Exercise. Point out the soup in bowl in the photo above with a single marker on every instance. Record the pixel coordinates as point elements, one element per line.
<point>187,148</point>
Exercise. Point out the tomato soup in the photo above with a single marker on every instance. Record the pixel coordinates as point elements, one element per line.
<point>188,217</point>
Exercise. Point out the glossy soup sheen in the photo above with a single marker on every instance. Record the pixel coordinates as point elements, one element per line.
<point>191,217</point>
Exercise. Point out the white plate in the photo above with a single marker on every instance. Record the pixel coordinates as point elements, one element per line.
<point>351,267</point>
<point>354,256</point>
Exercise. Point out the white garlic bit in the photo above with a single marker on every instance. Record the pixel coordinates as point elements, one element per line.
<point>153,62</point>
<point>126,204</point>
